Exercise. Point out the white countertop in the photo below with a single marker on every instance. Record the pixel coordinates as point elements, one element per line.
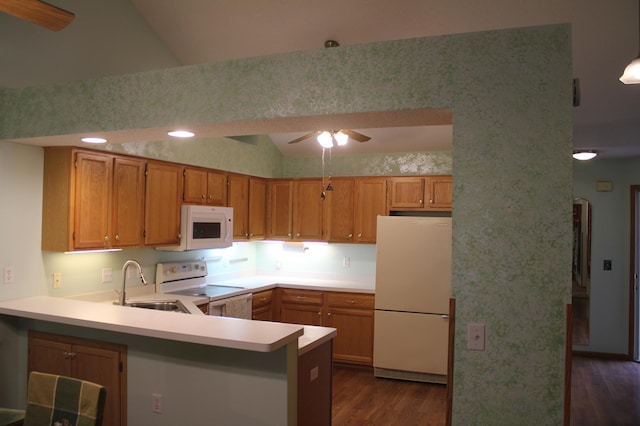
<point>259,336</point>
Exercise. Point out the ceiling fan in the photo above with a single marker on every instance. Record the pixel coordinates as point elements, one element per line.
<point>326,138</point>
<point>38,12</point>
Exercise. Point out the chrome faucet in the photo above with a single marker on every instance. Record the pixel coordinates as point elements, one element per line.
<point>124,278</point>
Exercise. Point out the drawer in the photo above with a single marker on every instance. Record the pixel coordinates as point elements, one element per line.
<point>305,297</point>
<point>351,300</point>
<point>262,298</point>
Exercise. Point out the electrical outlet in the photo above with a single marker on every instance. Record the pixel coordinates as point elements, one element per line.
<point>8,274</point>
<point>157,403</point>
<point>57,279</point>
<point>107,275</point>
<point>475,337</point>
<point>346,262</point>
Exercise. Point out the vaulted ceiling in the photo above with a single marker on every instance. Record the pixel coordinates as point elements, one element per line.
<point>124,36</point>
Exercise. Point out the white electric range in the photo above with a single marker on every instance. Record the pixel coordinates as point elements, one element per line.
<point>190,279</point>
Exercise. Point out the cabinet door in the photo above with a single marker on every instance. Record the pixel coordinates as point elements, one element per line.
<point>339,214</point>
<point>101,366</point>
<point>440,192</point>
<point>257,208</point>
<point>280,209</point>
<point>406,192</point>
<point>127,202</point>
<point>163,197</point>
<point>194,186</point>
<point>307,206</point>
<point>216,188</point>
<point>301,314</point>
<point>370,202</point>
<point>49,356</point>
<point>238,198</point>
<point>91,200</point>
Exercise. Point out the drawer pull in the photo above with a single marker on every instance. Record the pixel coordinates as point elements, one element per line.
<point>350,301</point>
<point>301,297</point>
<point>263,299</point>
<point>445,316</point>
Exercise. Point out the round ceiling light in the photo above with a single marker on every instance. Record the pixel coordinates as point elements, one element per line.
<point>93,139</point>
<point>584,154</point>
<point>181,134</point>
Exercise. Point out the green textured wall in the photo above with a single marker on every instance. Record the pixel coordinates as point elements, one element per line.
<point>511,96</point>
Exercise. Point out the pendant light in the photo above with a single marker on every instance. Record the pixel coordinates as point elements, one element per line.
<point>631,73</point>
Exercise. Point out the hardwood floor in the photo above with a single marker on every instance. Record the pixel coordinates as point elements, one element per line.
<point>361,399</point>
<point>603,393</point>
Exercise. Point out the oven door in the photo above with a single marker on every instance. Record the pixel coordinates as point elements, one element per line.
<point>233,307</point>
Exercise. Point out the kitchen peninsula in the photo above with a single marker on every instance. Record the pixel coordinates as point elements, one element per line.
<point>238,371</point>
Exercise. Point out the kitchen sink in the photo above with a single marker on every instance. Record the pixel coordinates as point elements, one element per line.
<point>164,305</point>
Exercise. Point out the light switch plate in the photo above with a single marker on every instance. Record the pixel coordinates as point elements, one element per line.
<point>475,337</point>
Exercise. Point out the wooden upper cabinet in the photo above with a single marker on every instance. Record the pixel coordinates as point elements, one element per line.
<point>204,187</point>
<point>91,202</point>
<point>127,202</point>
<point>238,198</point>
<point>370,202</point>
<point>308,207</point>
<point>440,192</point>
<point>257,208</point>
<point>420,193</point>
<point>280,209</point>
<point>163,197</point>
<point>339,213</point>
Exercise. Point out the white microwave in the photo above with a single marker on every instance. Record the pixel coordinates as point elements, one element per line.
<point>204,227</point>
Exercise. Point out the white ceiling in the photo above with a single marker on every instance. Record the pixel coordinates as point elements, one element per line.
<point>123,36</point>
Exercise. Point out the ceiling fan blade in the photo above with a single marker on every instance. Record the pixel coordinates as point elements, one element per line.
<point>38,12</point>
<point>356,136</point>
<point>301,138</point>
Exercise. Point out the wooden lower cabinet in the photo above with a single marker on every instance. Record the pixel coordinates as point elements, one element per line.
<point>98,362</point>
<point>350,313</point>
<point>262,306</point>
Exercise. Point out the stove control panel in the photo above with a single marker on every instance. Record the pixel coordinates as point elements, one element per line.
<point>178,271</point>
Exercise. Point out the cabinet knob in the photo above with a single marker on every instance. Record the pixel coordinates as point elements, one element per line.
<point>350,236</point>
<point>203,196</point>
<point>289,234</point>
<point>117,237</point>
<point>328,314</point>
<point>430,201</point>
<point>359,235</point>
<point>420,201</point>
<point>298,234</point>
<point>106,238</point>
<point>320,313</point>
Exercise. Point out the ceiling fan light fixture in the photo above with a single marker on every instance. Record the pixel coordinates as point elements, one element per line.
<point>325,139</point>
<point>341,138</point>
<point>584,155</point>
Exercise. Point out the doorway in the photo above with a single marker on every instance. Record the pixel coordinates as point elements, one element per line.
<point>634,296</point>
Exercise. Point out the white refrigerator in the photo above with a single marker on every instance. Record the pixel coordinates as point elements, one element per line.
<point>413,287</point>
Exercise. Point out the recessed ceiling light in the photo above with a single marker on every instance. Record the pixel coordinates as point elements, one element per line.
<point>93,140</point>
<point>181,134</point>
<point>584,154</point>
